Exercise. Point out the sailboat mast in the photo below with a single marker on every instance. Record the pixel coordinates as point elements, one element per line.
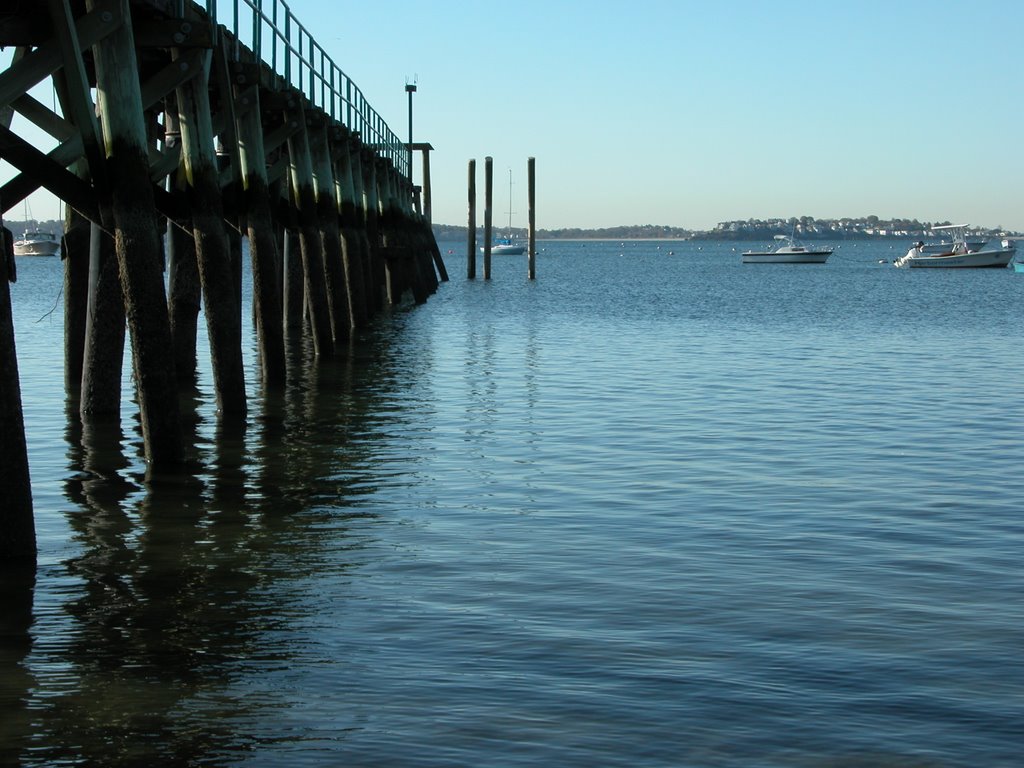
<point>509,203</point>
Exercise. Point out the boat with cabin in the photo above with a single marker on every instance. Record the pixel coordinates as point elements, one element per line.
<point>36,242</point>
<point>958,253</point>
<point>789,251</point>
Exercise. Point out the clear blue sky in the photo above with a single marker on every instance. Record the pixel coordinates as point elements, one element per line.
<point>688,113</point>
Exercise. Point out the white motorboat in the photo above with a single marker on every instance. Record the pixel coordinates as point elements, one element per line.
<point>946,246</point>
<point>788,252</point>
<point>36,242</point>
<point>959,254</point>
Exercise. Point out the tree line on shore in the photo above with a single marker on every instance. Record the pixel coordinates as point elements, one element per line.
<point>805,227</point>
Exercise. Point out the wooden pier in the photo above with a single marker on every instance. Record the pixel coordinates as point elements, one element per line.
<point>177,135</point>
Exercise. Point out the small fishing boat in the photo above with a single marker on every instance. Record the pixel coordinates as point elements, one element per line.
<point>959,253</point>
<point>36,242</point>
<point>788,252</point>
<point>946,246</point>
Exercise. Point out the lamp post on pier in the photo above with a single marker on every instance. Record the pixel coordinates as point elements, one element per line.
<point>410,88</point>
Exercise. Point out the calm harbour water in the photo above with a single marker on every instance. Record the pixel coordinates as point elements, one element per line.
<point>655,508</point>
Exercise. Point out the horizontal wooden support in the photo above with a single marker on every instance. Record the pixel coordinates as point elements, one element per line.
<point>46,173</point>
<point>172,33</point>
<point>48,58</point>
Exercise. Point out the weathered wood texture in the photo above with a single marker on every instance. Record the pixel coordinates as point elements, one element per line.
<point>17,528</point>
<point>137,243</point>
<point>193,142</point>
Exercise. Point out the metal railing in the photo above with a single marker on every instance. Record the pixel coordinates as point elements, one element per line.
<point>275,36</point>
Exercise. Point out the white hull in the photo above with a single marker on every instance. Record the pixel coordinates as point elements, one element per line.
<point>786,257</point>
<point>790,252</point>
<point>36,247</point>
<point>507,250</point>
<point>995,258</point>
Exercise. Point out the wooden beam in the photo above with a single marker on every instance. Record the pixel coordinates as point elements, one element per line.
<point>80,103</point>
<point>39,64</point>
<point>52,175</point>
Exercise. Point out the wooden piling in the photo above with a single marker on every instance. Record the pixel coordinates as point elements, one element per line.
<point>330,235</point>
<point>74,251</point>
<point>263,253</point>
<point>293,287</point>
<point>304,199</point>
<point>488,209</point>
<point>352,242</point>
<point>363,225</point>
<point>137,244</point>
<point>395,251</point>
<point>213,247</point>
<point>17,527</point>
<point>184,297</point>
<point>371,196</point>
<point>532,222</point>
<point>104,330</point>
<point>471,233</point>
<point>427,202</point>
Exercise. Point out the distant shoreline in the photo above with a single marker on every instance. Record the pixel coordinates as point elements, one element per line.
<point>759,231</point>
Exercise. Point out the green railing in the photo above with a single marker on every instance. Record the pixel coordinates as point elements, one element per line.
<point>275,36</point>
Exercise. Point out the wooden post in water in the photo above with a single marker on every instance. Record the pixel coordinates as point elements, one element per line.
<point>488,202</point>
<point>293,289</point>
<point>104,330</point>
<point>330,236</point>
<point>184,294</point>
<point>184,297</point>
<point>427,204</point>
<point>371,191</point>
<point>304,198</point>
<point>74,250</point>
<point>471,234</point>
<point>137,242</point>
<point>351,230</point>
<point>367,244</point>
<point>531,192</point>
<point>213,247</point>
<point>17,527</point>
<point>263,254</point>
<point>427,223</point>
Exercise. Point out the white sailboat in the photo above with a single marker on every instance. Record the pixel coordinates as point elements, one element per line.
<point>507,246</point>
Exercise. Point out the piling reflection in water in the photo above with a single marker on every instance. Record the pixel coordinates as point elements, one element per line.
<point>179,580</point>
<point>17,583</point>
